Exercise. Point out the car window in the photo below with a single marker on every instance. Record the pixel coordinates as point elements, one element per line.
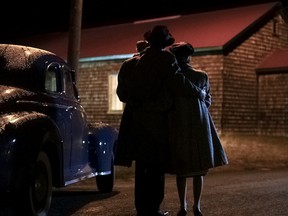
<point>53,78</point>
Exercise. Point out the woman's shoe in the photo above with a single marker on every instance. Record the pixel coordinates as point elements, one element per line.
<point>197,211</point>
<point>182,212</point>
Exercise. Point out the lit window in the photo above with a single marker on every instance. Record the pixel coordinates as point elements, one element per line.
<point>115,105</point>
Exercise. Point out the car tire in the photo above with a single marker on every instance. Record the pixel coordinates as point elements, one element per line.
<point>37,194</point>
<point>105,183</point>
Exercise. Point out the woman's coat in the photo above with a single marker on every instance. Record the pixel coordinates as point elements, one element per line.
<point>194,142</point>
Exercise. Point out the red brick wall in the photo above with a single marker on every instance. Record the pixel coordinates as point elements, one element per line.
<point>92,84</point>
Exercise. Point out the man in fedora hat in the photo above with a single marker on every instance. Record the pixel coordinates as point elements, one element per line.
<point>143,130</point>
<point>153,68</point>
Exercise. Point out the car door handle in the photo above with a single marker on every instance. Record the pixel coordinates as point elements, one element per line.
<point>70,108</point>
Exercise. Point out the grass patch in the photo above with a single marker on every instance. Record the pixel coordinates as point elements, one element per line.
<point>254,152</point>
<point>244,152</point>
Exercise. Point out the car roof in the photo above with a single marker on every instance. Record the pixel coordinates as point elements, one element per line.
<point>25,66</point>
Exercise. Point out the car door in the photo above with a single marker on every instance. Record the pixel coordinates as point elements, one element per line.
<point>79,128</point>
<point>60,112</point>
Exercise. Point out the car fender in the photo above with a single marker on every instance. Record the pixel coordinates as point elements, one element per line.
<point>102,139</point>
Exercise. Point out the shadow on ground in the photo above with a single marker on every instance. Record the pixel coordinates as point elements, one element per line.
<point>67,202</point>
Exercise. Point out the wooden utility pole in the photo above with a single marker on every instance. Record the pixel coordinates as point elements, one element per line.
<point>74,39</point>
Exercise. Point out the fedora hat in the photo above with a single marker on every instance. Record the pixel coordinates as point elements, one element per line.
<point>159,36</point>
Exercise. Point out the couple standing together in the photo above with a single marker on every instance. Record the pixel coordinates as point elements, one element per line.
<point>166,126</point>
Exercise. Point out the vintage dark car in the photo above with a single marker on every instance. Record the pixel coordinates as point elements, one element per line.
<point>45,139</point>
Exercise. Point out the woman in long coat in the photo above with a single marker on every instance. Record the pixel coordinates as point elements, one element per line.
<point>194,143</point>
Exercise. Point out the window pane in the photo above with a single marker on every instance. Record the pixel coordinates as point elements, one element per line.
<point>53,78</point>
<point>50,81</point>
<point>114,103</point>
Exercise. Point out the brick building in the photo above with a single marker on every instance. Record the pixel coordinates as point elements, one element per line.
<point>244,51</point>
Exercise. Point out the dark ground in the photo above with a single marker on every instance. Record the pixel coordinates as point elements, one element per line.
<point>236,193</point>
<point>255,183</point>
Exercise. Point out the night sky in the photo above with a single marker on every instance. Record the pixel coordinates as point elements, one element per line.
<point>21,18</point>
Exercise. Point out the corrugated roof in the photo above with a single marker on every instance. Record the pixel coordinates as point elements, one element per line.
<point>215,30</point>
